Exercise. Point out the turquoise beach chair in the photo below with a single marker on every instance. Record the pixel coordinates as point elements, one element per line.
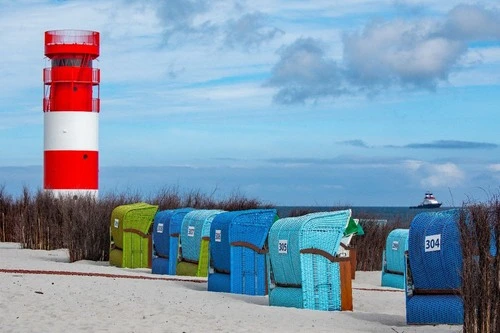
<point>304,269</point>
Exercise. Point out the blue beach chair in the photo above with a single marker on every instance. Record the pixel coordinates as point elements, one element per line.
<point>305,271</point>
<point>393,259</point>
<point>433,272</point>
<point>237,251</point>
<point>165,247</point>
<point>160,239</point>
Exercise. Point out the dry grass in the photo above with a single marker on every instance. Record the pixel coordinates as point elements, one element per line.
<point>41,221</point>
<point>480,238</point>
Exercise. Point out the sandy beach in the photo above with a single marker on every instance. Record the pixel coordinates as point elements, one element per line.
<point>42,292</point>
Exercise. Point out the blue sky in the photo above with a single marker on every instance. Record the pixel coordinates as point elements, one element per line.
<point>361,103</point>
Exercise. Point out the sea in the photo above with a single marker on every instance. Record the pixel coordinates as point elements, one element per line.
<point>403,215</point>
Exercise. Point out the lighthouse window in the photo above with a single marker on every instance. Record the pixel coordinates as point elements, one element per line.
<point>85,156</point>
<point>70,62</point>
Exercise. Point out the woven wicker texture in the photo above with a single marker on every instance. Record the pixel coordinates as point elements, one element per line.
<point>219,241</point>
<point>116,257</point>
<point>252,226</point>
<point>173,255</point>
<point>314,274</point>
<point>393,259</point>
<point>321,277</point>
<point>161,233</point>
<point>175,229</point>
<point>393,262</point>
<point>435,267</point>
<point>434,309</point>
<point>246,266</point>
<point>162,248</point>
<point>219,282</point>
<point>130,225</point>
<point>435,261</point>
<point>195,225</point>
<point>187,268</point>
<point>284,250</point>
<point>160,265</point>
<point>395,247</point>
<point>288,297</point>
<point>137,216</point>
<point>203,262</point>
<point>393,280</point>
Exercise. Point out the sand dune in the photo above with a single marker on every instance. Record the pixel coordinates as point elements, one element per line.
<point>42,292</point>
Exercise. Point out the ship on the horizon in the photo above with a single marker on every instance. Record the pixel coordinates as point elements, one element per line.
<point>429,202</point>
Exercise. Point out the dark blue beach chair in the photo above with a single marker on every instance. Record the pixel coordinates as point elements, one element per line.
<point>433,272</point>
<point>165,246</point>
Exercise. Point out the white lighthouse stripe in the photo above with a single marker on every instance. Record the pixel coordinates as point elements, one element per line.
<point>64,130</point>
<point>72,193</point>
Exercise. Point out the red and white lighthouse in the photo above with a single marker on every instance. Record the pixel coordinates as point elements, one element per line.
<point>71,113</point>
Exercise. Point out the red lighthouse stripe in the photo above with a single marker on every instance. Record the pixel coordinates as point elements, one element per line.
<point>67,170</point>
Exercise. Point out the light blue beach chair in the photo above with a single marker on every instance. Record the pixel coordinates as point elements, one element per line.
<point>195,242</point>
<point>393,259</point>
<point>305,271</point>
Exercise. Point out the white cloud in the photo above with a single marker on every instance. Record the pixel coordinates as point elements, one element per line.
<point>494,167</point>
<point>412,165</point>
<point>435,175</point>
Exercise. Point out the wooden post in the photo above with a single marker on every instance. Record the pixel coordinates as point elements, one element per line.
<point>150,251</point>
<point>345,286</point>
<point>3,226</point>
<point>352,257</point>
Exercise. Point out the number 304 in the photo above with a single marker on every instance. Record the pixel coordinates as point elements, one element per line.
<point>433,243</point>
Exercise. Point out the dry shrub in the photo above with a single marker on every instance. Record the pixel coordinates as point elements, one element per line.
<point>370,246</point>
<point>300,212</point>
<point>167,198</point>
<point>42,221</point>
<point>6,227</point>
<point>480,238</point>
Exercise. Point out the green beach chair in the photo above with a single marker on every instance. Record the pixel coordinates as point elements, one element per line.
<point>130,235</point>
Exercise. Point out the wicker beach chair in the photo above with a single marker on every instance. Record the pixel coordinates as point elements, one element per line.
<point>130,238</point>
<point>305,271</point>
<point>164,253</point>
<point>195,242</point>
<point>237,251</point>
<point>393,259</point>
<point>433,272</point>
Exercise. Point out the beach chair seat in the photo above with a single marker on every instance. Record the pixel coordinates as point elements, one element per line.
<point>393,259</point>
<point>130,237</point>
<point>238,251</point>
<point>433,269</point>
<point>305,270</point>
<point>163,253</point>
<point>195,242</point>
